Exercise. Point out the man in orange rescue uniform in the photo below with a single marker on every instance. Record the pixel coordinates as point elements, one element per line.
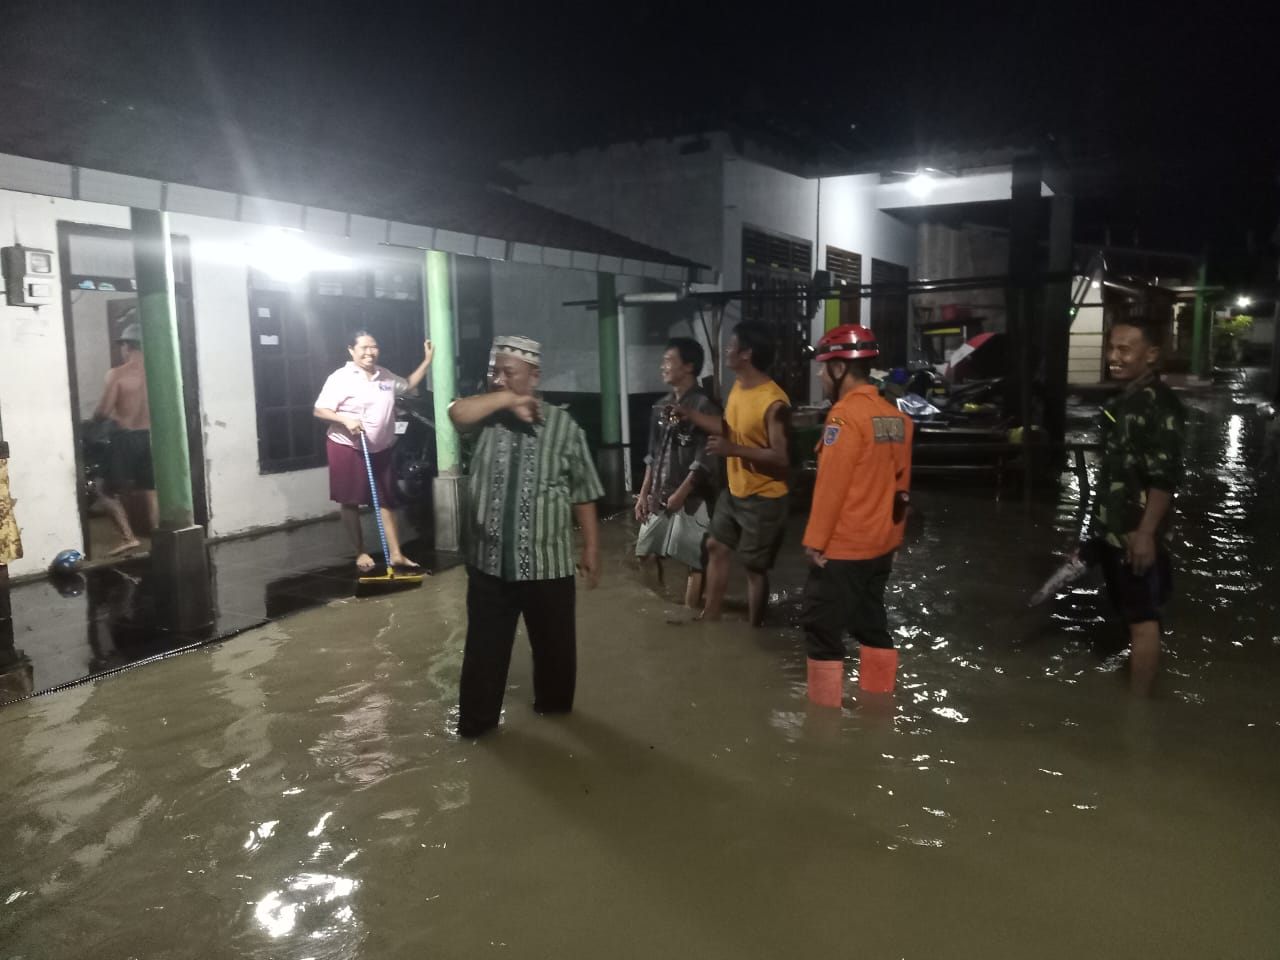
<point>855,526</point>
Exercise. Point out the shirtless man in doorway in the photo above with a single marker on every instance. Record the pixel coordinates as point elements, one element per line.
<point>124,403</point>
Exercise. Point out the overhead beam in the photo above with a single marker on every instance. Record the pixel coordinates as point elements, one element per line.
<point>985,187</point>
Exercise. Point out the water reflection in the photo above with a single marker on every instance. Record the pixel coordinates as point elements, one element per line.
<point>310,901</point>
<point>65,629</point>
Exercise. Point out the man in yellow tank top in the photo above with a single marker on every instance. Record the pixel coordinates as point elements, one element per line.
<point>751,515</point>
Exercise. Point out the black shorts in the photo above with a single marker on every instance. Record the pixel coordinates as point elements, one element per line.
<point>846,596</point>
<point>129,462</point>
<point>1137,598</point>
<point>753,526</point>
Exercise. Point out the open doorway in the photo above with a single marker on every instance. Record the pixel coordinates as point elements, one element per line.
<point>112,426</point>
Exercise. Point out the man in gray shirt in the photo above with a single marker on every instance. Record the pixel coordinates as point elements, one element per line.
<point>680,474</point>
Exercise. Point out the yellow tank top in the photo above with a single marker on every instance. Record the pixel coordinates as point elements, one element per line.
<point>744,414</point>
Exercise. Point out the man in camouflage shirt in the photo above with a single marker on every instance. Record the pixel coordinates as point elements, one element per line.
<point>1141,468</point>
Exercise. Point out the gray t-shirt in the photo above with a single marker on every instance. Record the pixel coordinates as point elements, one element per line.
<point>677,447</point>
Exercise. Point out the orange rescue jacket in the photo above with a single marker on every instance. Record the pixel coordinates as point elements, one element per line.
<point>864,459</point>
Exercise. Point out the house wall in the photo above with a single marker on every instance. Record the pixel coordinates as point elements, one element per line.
<point>840,212</point>
<point>35,393</point>
<point>240,497</point>
<point>530,301</point>
<point>947,253</point>
<point>696,205</point>
<point>851,220</point>
<point>35,390</point>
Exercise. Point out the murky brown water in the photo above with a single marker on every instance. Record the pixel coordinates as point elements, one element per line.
<point>296,793</point>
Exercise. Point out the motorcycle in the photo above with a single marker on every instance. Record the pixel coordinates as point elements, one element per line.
<point>929,398</point>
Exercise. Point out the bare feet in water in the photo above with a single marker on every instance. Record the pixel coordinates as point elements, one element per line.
<point>400,560</point>
<point>364,563</point>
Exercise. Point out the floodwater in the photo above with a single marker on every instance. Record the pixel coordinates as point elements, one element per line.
<point>295,792</point>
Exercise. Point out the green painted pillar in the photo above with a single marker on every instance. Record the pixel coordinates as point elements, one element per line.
<point>1198,323</point>
<point>444,365</point>
<point>611,412</point>
<point>157,310</point>
<point>179,561</point>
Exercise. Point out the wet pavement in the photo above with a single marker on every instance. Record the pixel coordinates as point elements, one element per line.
<point>296,791</point>
<point>68,628</point>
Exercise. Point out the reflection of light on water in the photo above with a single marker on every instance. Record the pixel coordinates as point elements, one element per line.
<point>789,723</point>
<point>319,827</point>
<point>261,833</point>
<point>931,842</point>
<point>278,914</point>
<point>1234,427</point>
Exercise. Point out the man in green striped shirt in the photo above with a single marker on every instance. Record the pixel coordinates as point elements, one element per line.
<point>531,475</point>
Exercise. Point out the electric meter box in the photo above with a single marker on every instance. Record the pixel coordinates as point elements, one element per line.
<point>28,276</point>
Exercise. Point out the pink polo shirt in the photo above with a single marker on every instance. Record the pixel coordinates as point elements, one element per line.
<point>371,399</point>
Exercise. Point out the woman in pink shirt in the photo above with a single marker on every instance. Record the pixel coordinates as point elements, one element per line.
<point>360,397</point>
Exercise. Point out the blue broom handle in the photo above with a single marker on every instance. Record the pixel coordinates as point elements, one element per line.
<point>373,491</point>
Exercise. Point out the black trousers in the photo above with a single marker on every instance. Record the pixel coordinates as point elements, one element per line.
<point>845,595</point>
<point>494,606</point>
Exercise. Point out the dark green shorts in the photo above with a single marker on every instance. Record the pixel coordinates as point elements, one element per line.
<point>129,467</point>
<point>752,526</point>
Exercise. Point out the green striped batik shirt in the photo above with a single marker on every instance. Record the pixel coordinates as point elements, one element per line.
<point>523,482</point>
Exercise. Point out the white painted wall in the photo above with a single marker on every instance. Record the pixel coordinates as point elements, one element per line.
<point>240,497</point>
<point>945,253</point>
<point>851,220</point>
<point>35,392</point>
<point>649,328</point>
<point>842,212</point>
<point>529,301</point>
<point>763,197</point>
<point>693,205</point>
<point>35,398</point>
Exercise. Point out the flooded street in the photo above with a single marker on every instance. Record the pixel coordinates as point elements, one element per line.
<point>296,791</point>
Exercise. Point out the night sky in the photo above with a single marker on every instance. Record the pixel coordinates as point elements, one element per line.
<point>1168,117</point>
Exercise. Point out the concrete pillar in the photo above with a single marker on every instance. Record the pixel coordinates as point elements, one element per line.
<point>611,412</point>
<point>448,486</point>
<point>179,562</point>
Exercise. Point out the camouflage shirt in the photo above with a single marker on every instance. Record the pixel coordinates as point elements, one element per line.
<point>1141,450</point>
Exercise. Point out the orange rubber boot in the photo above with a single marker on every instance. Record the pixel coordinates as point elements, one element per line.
<point>877,669</point>
<point>826,682</point>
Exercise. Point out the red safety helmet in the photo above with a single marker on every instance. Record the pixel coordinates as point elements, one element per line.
<point>849,341</point>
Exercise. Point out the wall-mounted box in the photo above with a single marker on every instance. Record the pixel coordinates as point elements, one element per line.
<point>29,279</point>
